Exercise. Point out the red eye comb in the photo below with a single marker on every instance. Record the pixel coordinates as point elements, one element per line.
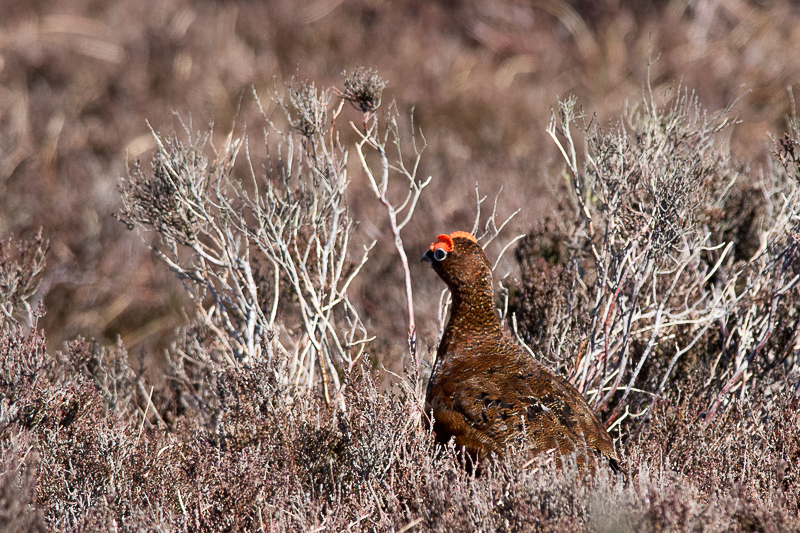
<point>464,235</point>
<point>444,242</point>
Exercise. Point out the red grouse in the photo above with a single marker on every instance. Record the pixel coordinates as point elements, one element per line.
<point>484,390</point>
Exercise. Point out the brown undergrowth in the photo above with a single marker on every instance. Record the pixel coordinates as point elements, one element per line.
<point>666,287</point>
<point>78,458</point>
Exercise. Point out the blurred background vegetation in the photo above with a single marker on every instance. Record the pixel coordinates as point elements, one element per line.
<point>89,442</point>
<point>81,79</point>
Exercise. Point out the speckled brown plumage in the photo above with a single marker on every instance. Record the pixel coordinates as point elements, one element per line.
<point>484,390</point>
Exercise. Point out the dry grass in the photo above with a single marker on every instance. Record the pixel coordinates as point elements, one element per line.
<point>661,273</point>
<point>232,454</point>
<point>79,81</point>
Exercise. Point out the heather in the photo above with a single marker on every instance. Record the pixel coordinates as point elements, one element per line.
<point>244,344</point>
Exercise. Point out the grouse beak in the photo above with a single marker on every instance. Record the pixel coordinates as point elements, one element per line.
<point>428,256</point>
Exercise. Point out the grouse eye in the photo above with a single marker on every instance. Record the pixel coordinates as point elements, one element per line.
<point>439,254</point>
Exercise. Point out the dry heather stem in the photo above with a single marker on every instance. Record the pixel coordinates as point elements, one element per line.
<point>378,142</point>
<point>648,275</point>
<point>21,265</point>
<point>297,235</point>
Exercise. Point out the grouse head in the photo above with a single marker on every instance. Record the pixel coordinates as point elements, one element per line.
<point>459,260</point>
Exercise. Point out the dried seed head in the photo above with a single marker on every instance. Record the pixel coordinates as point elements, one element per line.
<point>363,88</point>
<point>308,110</point>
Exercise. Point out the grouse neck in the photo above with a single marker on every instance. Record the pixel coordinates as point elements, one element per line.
<point>475,311</point>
